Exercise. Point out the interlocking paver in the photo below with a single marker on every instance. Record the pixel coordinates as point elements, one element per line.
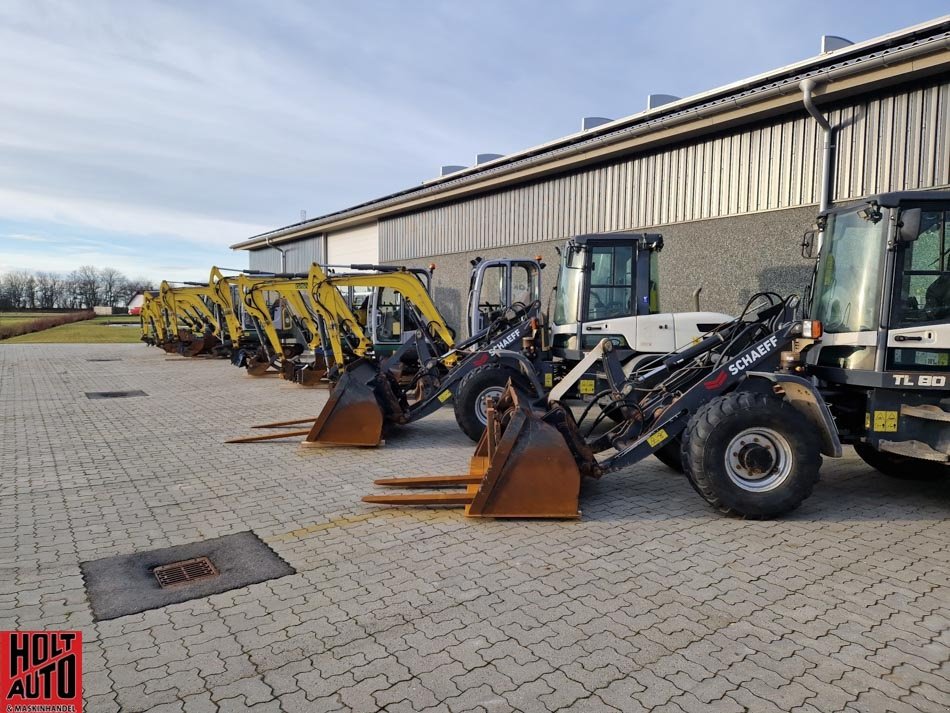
<point>651,602</point>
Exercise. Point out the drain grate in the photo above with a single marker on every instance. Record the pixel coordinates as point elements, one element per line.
<point>114,394</point>
<point>184,572</point>
<point>103,360</point>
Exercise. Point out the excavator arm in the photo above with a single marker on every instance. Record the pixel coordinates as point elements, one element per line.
<point>401,281</point>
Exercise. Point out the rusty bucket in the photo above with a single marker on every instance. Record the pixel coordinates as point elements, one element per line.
<point>522,468</point>
<point>352,415</point>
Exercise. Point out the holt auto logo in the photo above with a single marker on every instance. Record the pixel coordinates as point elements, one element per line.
<point>41,671</point>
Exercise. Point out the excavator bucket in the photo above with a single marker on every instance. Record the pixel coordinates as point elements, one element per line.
<point>256,366</point>
<point>199,345</point>
<point>352,415</point>
<point>311,374</point>
<point>522,468</point>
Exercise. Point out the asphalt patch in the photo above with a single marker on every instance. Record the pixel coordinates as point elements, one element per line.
<point>124,584</point>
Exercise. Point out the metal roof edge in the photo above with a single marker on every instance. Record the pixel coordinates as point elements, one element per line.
<point>291,231</point>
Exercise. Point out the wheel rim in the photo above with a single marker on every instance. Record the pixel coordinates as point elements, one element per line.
<point>758,459</point>
<point>481,404</point>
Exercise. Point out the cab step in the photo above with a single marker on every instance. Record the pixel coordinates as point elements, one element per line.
<point>914,449</point>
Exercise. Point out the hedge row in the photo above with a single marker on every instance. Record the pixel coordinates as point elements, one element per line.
<point>27,326</point>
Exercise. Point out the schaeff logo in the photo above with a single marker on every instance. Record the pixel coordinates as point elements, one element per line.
<point>742,363</point>
<point>41,668</point>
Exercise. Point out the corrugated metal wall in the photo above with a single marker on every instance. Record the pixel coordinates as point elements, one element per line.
<point>895,142</point>
<point>300,255</point>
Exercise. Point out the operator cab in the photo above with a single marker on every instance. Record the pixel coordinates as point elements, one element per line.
<point>881,287</point>
<point>497,285</point>
<point>392,320</point>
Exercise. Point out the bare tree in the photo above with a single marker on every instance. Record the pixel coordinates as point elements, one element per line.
<point>110,285</point>
<point>86,286</point>
<point>136,285</point>
<point>16,286</point>
<point>49,290</point>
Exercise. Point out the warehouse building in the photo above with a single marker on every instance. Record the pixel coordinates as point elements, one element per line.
<point>731,178</point>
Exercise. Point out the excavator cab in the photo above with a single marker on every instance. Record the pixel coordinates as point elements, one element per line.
<point>390,318</point>
<point>881,288</point>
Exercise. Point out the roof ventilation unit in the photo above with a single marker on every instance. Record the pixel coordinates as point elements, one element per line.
<point>446,170</point>
<point>830,43</point>
<point>486,157</point>
<point>589,122</point>
<point>655,100</point>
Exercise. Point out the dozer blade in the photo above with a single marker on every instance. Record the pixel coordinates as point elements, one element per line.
<point>522,468</point>
<point>351,416</point>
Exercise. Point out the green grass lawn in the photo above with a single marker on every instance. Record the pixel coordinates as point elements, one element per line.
<point>90,331</point>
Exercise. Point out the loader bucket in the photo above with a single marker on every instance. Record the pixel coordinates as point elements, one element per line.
<point>522,468</point>
<point>351,416</point>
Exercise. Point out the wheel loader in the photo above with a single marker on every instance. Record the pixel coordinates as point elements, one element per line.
<point>607,287</point>
<point>754,405</point>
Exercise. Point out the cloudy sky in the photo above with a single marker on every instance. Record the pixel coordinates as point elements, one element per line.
<point>148,136</point>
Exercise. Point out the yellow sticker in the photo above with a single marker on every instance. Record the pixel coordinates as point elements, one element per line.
<point>586,386</point>
<point>397,328</point>
<point>885,421</point>
<point>657,438</point>
<point>548,380</point>
<point>445,396</point>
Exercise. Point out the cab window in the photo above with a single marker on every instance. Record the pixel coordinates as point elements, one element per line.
<point>924,294</point>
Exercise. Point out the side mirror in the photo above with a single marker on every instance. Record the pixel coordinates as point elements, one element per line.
<point>810,244</point>
<point>909,226</point>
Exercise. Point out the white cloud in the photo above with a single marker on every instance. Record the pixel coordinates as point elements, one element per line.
<point>123,218</point>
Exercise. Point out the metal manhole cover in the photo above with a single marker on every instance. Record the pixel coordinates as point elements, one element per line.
<point>114,394</point>
<point>184,572</point>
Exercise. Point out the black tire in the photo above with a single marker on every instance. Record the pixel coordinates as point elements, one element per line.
<point>671,455</point>
<point>743,433</point>
<point>900,467</point>
<point>490,379</point>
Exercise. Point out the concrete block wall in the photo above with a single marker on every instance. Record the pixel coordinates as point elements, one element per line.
<point>731,258</point>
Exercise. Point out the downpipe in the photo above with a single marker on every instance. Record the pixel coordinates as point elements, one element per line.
<point>828,148</point>
<point>282,251</point>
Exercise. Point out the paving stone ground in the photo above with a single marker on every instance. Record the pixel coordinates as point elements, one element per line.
<point>651,602</point>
